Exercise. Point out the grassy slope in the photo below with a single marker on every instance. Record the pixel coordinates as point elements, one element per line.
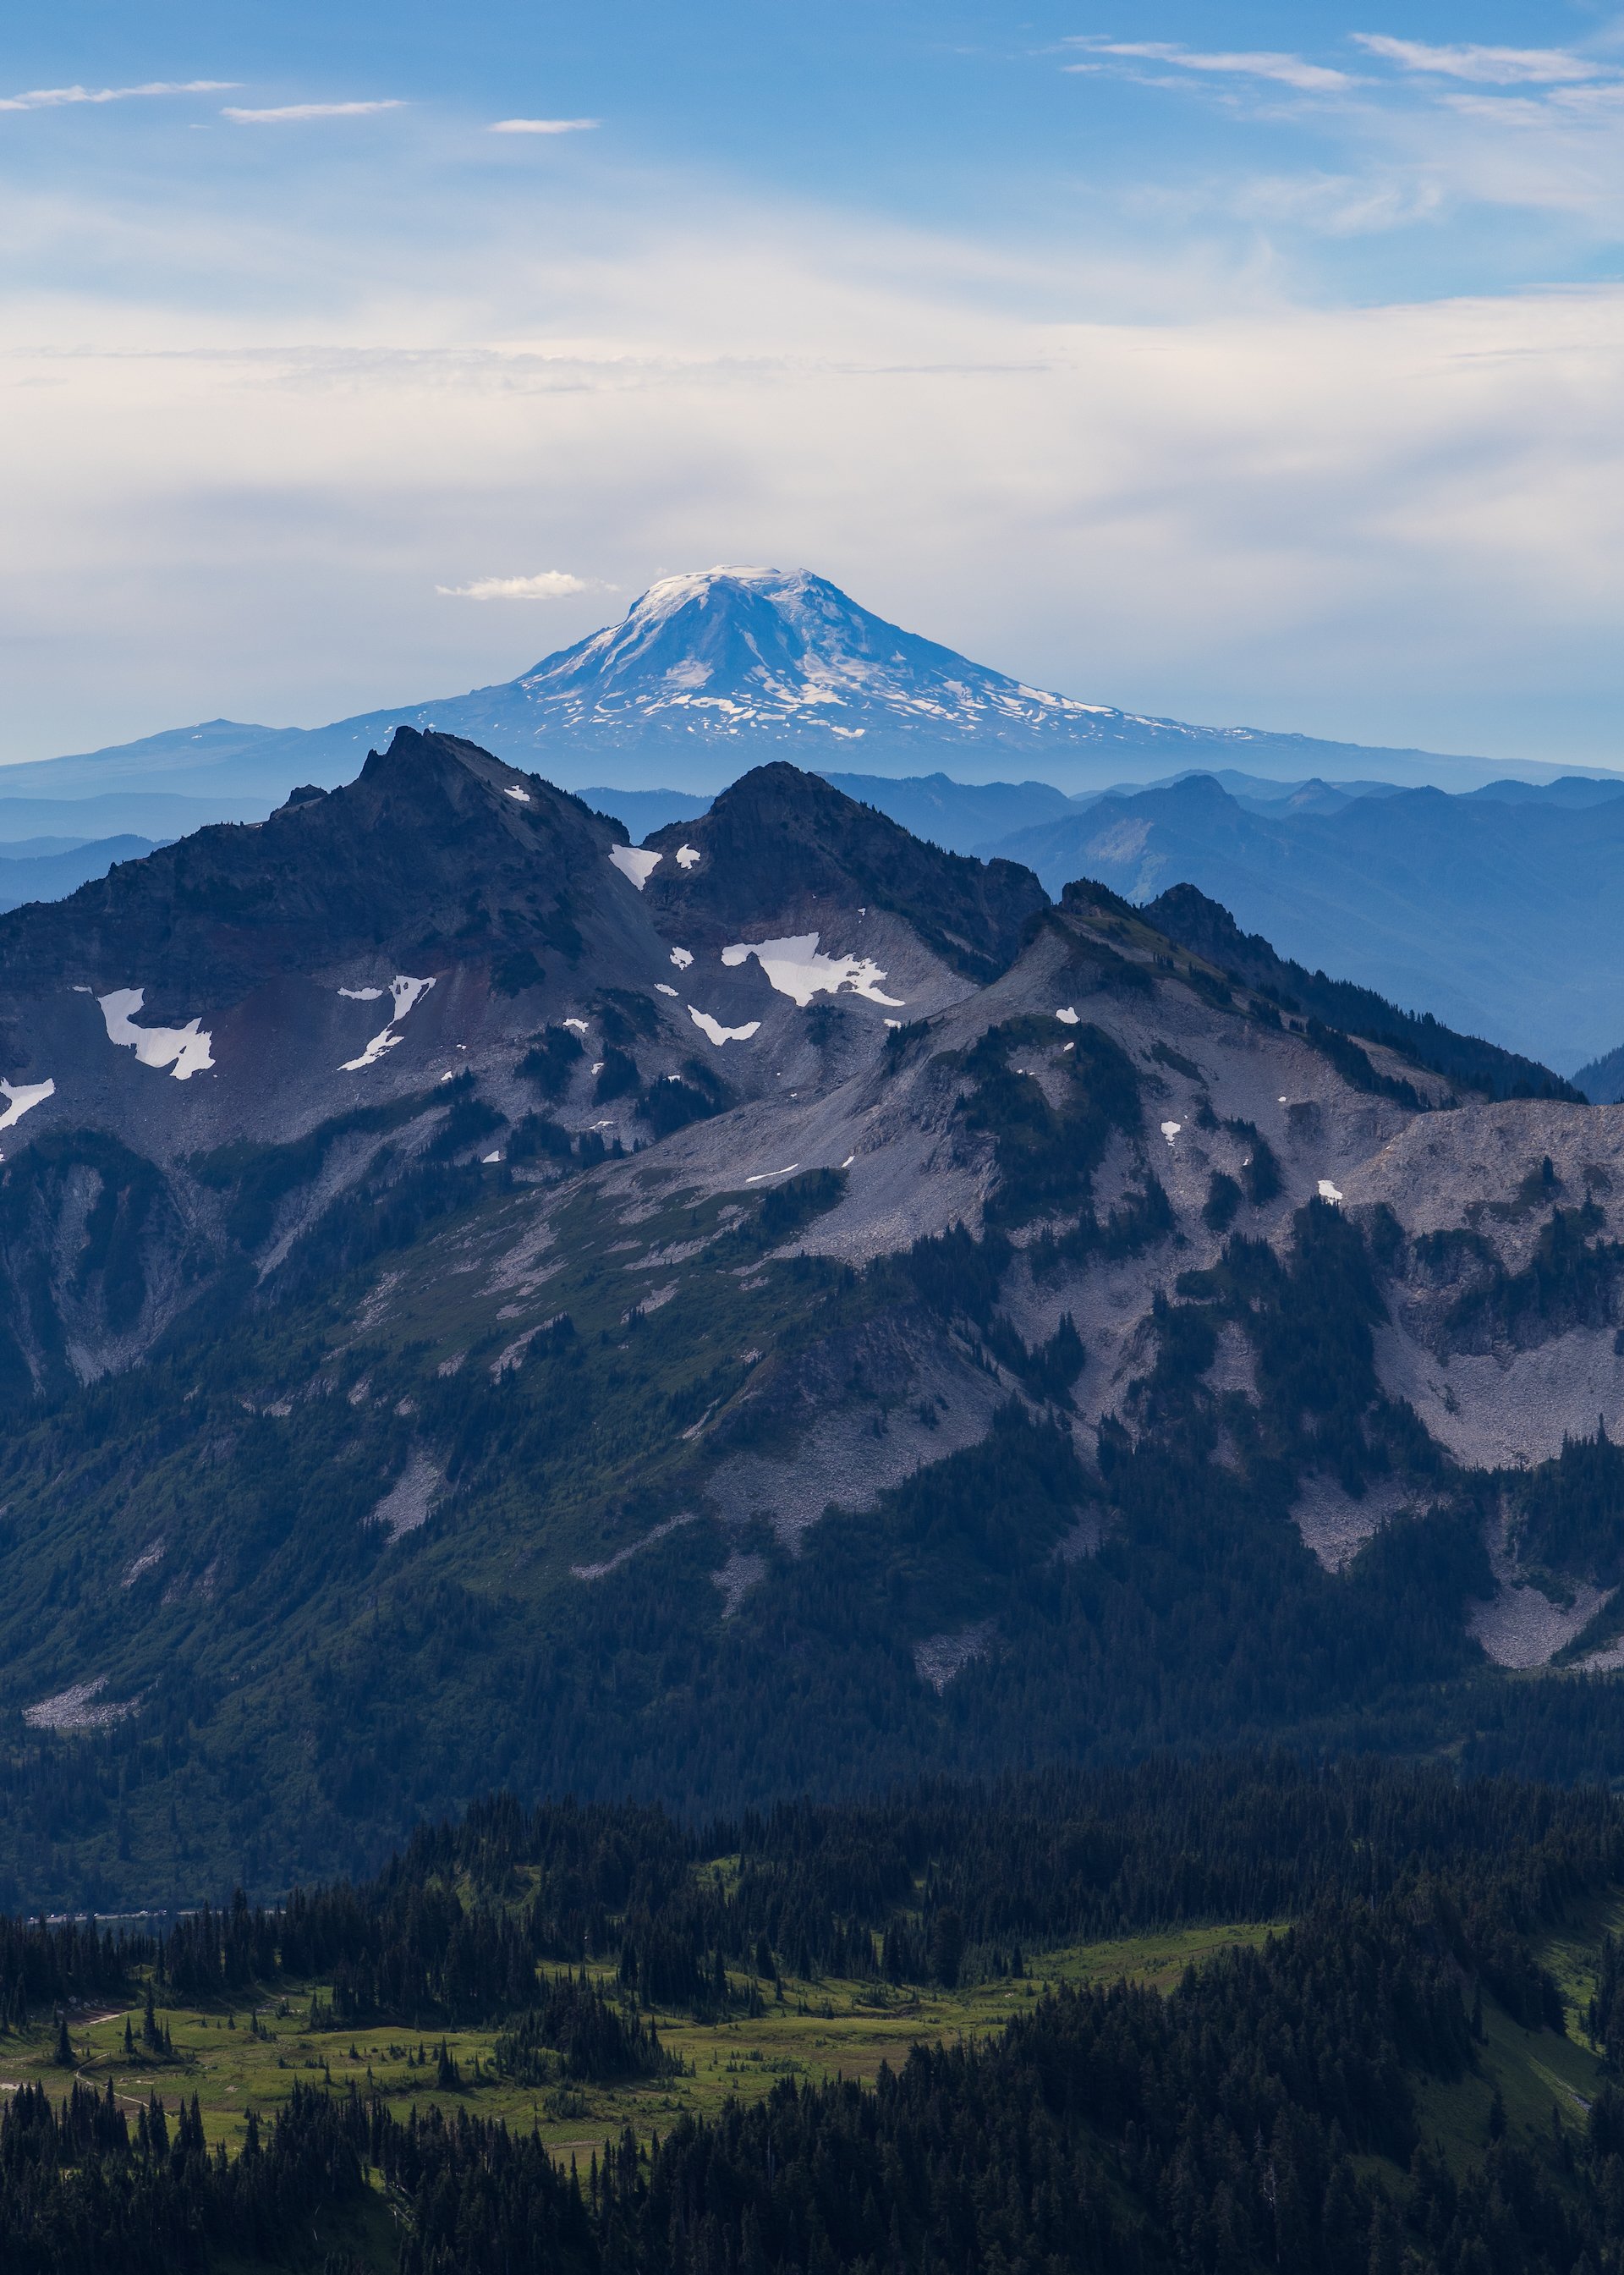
<point>1535,2071</point>
<point>818,2029</point>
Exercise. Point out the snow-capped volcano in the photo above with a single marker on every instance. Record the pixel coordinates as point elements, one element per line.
<point>718,671</point>
<point>719,668</point>
<point>733,650</point>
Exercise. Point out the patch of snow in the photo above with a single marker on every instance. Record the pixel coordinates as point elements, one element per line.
<point>362,994</point>
<point>406,994</point>
<point>1328,1192</point>
<point>1068,1017</point>
<point>75,1709</point>
<point>1170,1131</point>
<point>597,1066</point>
<point>515,1353</point>
<point>849,1159</point>
<point>80,990</point>
<point>449,1076</point>
<point>686,856</point>
<point>638,866</point>
<point>185,1049</point>
<point>796,968</point>
<point>718,1033</point>
<point>764,1177</point>
<point>521,796</point>
<point>488,1157</point>
<point>1067,1046</point>
<point>681,957</point>
<point>660,988</point>
<point>894,1023</point>
<point>576,1026</point>
<point>21,1099</point>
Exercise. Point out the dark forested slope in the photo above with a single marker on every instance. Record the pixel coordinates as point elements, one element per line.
<point>1281,2106</point>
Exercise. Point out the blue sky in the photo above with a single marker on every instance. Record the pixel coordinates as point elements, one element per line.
<point>1235,363</point>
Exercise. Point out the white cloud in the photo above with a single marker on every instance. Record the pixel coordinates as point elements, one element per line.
<point>544,126</point>
<point>1485,67</point>
<point>1285,70</point>
<point>52,98</point>
<point>297,111</point>
<point>548,585</point>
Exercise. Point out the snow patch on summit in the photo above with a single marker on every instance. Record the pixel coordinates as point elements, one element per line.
<point>796,968</point>
<point>730,650</point>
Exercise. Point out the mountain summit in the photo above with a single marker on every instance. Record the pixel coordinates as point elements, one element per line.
<point>734,652</point>
<point>720,668</point>
<point>709,674</point>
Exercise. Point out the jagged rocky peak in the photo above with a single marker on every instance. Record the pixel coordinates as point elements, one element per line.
<point>781,844</point>
<point>433,843</point>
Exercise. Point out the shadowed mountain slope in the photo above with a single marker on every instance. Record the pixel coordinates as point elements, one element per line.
<point>662,1322</point>
<point>1188,916</point>
<point>781,839</point>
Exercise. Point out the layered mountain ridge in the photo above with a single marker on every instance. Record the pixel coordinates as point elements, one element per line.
<point>779,1306</point>
<point>1497,913</point>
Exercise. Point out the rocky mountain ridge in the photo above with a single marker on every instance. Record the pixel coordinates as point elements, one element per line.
<point>1496,914</point>
<point>779,1303</point>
